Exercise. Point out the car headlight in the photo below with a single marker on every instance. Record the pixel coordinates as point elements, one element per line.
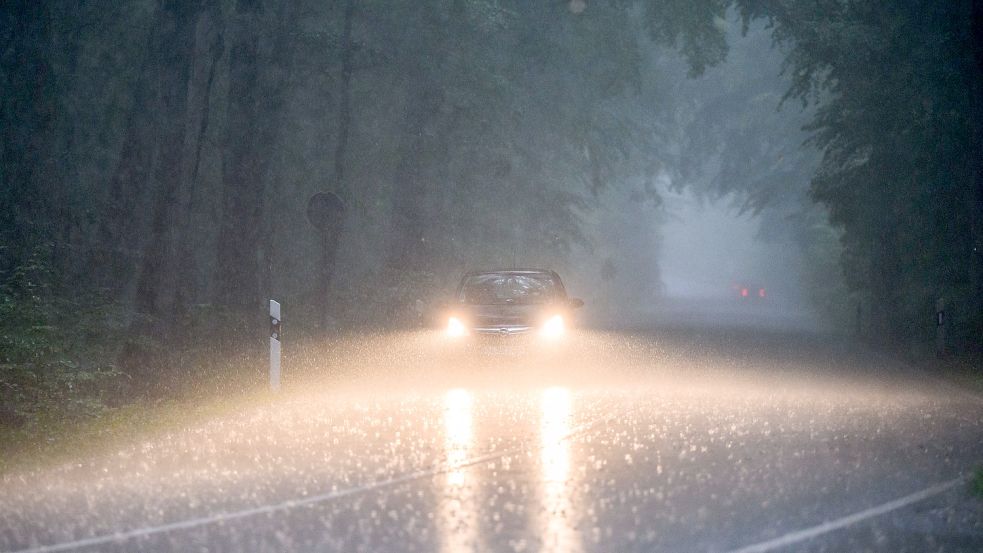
<point>455,327</point>
<point>553,327</point>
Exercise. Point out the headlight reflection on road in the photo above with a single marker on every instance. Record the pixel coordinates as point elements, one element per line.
<point>459,517</point>
<point>558,533</point>
<point>458,432</point>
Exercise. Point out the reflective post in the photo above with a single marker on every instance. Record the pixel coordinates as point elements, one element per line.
<point>274,345</point>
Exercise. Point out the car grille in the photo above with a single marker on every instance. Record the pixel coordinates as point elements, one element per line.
<point>501,321</point>
<point>510,330</point>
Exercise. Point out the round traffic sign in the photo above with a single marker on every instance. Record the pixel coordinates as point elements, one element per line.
<point>324,210</point>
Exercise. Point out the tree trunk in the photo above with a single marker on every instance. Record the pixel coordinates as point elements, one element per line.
<point>976,159</point>
<point>344,102</point>
<point>175,46</point>
<point>209,45</point>
<point>885,319</point>
<point>118,256</point>
<point>27,115</point>
<point>425,141</point>
<point>408,251</point>
<point>171,50</point>
<point>331,236</point>
<point>243,168</point>
<point>253,113</point>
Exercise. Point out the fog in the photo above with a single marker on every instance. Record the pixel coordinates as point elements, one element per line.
<point>708,249</point>
<point>711,251</point>
<point>582,142</point>
<point>509,275</point>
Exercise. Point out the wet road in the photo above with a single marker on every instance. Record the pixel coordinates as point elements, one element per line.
<point>658,439</point>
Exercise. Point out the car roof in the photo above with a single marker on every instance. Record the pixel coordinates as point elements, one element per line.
<point>512,272</point>
<point>548,272</point>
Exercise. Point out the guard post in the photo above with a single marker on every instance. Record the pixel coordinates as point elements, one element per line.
<point>940,327</point>
<point>275,345</point>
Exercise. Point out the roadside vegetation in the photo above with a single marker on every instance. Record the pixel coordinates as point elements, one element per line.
<point>63,390</point>
<point>976,483</point>
<point>57,353</point>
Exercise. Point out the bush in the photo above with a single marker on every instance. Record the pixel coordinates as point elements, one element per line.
<point>977,482</point>
<point>54,348</point>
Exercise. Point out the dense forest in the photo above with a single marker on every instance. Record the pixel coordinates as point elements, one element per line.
<point>158,158</point>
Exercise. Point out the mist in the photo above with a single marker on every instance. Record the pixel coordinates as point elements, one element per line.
<point>491,275</point>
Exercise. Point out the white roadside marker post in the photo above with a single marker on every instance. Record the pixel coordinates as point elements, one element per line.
<point>274,345</point>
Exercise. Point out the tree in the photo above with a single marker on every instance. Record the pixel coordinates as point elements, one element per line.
<point>253,114</point>
<point>174,47</point>
<point>28,111</point>
<point>893,84</point>
<point>209,46</point>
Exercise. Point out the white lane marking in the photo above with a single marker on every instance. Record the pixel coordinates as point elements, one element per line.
<point>264,509</point>
<point>119,537</point>
<point>826,527</point>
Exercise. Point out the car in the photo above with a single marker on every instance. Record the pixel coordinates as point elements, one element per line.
<point>749,292</point>
<point>510,303</point>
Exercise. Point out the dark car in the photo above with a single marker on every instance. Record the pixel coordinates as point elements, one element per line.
<point>508,303</point>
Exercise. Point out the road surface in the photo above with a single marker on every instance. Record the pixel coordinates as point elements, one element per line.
<point>656,438</point>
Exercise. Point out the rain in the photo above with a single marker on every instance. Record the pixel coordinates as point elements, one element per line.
<point>487,275</point>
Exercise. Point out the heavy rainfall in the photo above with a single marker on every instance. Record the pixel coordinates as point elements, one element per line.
<point>491,275</point>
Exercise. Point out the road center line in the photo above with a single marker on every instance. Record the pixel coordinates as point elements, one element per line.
<point>306,501</point>
<point>826,527</point>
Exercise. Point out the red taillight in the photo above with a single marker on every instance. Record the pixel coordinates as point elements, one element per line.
<point>743,292</point>
<point>761,292</point>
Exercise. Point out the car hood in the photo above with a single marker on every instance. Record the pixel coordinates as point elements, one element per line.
<point>506,315</point>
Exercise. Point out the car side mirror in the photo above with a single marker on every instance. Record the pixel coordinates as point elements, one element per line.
<point>575,303</point>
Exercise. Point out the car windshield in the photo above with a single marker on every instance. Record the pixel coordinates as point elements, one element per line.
<point>508,288</point>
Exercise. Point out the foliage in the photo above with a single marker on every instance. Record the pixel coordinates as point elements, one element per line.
<point>393,306</point>
<point>893,93</point>
<point>697,29</point>
<point>169,173</point>
<point>55,350</point>
<point>893,86</point>
<point>741,146</point>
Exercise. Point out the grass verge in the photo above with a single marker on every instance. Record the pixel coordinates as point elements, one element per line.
<point>53,440</point>
<point>976,482</point>
<point>965,371</point>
